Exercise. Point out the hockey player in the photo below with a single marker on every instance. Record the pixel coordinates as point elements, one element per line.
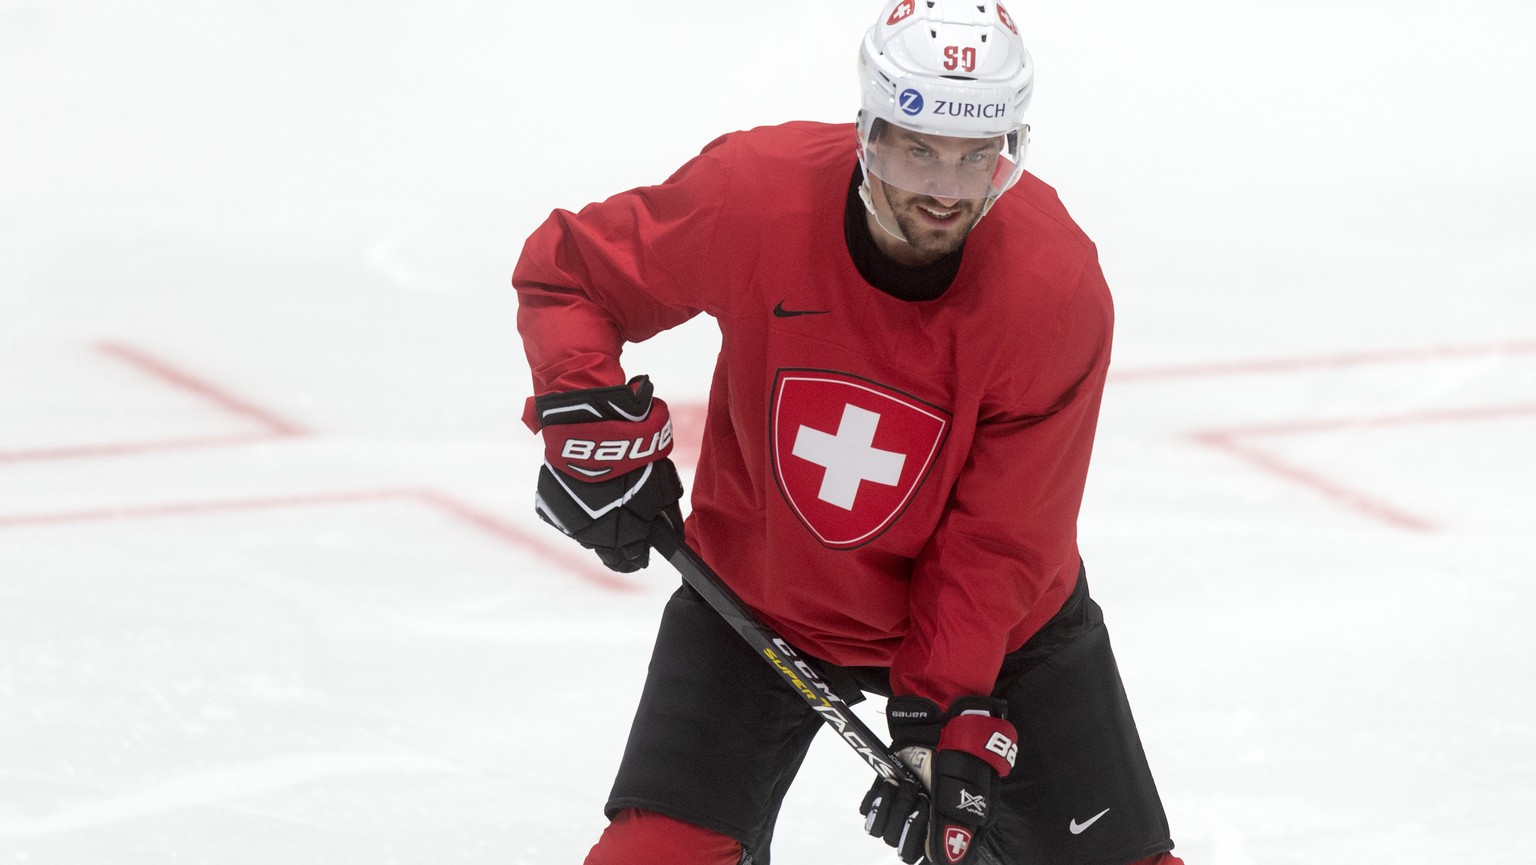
<point>914,343</point>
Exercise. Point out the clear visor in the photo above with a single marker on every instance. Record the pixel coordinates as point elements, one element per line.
<point>943,166</point>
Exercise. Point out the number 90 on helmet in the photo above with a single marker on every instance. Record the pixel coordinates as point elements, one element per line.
<point>952,69</point>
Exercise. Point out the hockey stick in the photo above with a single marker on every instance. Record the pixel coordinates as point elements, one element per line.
<point>796,671</point>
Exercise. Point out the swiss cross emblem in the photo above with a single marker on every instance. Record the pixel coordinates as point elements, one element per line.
<point>902,10</point>
<point>849,454</point>
<point>1003,16</point>
<point>956,841</point>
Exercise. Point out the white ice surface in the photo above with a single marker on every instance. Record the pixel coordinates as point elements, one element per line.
<point>271,590</point>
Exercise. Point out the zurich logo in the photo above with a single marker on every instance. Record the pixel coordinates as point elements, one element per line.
<point>911,102</point>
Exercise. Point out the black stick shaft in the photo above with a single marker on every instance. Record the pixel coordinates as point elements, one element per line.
<point>798,672</point>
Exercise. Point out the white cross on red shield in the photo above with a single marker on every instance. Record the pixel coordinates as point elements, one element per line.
<point>849,453</point>
<point>957,840</point>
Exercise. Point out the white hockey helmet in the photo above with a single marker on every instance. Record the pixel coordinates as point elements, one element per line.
<point>954,68</point>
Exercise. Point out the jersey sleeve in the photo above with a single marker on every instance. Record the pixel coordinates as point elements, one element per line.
<point>618,271</point>
<point>1009,534</point>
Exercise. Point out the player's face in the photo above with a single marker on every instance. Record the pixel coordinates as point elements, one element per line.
<point>934,227</point>
<point>932,186</point>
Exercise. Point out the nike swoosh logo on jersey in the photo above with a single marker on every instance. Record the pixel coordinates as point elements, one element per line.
<point>780,312</point>
<point>1078,828</point>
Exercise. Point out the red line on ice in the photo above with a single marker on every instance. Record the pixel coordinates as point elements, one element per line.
<point>1227,440</point>
<point>501,530</point>
<point>1335,492</point>
<point>1326,361</point>
<point>200,388</point>
<point>272,425</point>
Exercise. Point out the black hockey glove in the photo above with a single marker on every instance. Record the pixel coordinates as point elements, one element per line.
<point>606,476</point>
<point>961,757</point>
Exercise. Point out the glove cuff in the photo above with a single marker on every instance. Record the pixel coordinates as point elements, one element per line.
<point>620,402</point>
<point>992,740</point>
<point>913,721</point>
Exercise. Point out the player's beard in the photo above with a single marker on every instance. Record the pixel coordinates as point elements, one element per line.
<point>931,238</point>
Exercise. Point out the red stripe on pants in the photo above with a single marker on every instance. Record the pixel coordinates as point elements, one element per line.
<point>638,837</point>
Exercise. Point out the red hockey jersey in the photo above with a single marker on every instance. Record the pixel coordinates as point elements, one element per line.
<point>887,482</point>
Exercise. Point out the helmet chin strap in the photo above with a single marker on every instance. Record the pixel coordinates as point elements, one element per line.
<point>891,228</point>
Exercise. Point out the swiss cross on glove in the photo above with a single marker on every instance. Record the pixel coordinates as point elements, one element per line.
<point>606,476</point>
<point>961,757</point>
